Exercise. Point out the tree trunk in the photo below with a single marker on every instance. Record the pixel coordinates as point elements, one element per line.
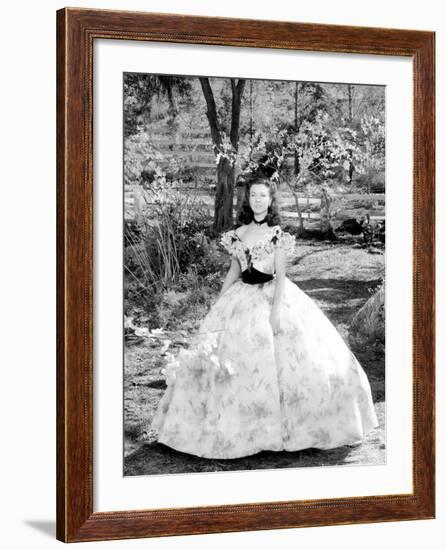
<point>296,163</point>
<point>240,190</point>
<point>237,93</point>
<point>299,214</point>
<point>351,168</point>
<point>224,193</point>
<point>325,213</point>
<point>224,196</point>
<point>350,101</point>
<point>301,229</point>
<point>211,112</point>
<point>250,119</point>
<point>296,155</point>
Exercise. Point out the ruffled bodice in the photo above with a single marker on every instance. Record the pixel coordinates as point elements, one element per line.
<point>261,255</point>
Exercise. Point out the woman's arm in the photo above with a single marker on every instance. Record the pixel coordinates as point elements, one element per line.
<point>232,275</point>
<point>278,291</point>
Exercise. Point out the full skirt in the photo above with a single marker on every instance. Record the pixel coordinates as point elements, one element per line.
<point>240,389</point>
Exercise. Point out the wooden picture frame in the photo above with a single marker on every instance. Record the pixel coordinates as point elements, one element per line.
<point>76,31</point>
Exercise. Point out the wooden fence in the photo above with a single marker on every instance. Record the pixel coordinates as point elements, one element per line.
<point>134,203</point>
<point>193,153</point>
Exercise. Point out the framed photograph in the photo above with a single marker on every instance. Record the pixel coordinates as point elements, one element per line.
<point>245,276</point>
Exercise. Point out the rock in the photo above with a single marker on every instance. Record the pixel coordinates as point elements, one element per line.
<point>368,325</point>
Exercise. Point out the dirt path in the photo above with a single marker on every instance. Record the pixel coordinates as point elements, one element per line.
<point>325,272</point>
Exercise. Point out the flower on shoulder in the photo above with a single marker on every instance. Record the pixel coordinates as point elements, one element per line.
<point>276,233</point>
<point>228,239</point>
<point>285,241</point>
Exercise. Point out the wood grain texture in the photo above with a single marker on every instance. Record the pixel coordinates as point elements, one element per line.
<point>76,31</point>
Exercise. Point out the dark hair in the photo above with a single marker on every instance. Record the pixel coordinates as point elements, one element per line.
<point>246,215</point>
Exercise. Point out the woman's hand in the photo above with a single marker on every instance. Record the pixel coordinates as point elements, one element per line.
<point>274,320</point>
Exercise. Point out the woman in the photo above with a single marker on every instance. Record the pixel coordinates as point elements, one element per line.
<point>267,369</point>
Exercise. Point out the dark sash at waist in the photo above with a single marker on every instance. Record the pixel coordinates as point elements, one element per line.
<point>254,277</point>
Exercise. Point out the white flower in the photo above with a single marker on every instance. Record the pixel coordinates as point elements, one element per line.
<point>128,322</point>
<point>229,367</point>
<point>209,344</point>
<point>214,359</point>
<point>142,332</point>
<point>165,345</point>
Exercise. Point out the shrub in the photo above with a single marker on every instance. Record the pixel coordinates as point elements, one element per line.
<point>172,267</point>
<point>170,237</point>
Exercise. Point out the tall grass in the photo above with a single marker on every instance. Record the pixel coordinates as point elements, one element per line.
<point>168,235</point>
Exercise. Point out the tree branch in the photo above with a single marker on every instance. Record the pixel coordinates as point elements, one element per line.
<point>237,93</point>
<point>211,112</point>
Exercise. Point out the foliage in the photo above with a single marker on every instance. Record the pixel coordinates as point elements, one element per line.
<point>312,136</point>
<point>184,302</point>
<point>353,122</point>
<point>172,268</point>
<point>140,90</point>
<point>373,131</point>
<point>143,161</point>
<point>171,228</point>
<point>324,152</point>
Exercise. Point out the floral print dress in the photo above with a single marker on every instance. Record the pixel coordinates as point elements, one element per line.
<point>240,389</point>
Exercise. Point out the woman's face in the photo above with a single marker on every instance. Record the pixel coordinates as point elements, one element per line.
<point>259,198</point>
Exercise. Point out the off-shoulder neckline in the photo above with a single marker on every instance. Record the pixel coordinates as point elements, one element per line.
<point>273,227</point>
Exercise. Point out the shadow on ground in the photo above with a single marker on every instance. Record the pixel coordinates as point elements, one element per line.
<point>340,300</point>
<point>155,455</point>
<point>332,290</point>
<point>154,458</point>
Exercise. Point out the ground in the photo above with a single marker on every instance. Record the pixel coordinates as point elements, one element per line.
<point>340,277</point>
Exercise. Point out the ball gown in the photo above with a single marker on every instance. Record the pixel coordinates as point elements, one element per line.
<point>240,389</point>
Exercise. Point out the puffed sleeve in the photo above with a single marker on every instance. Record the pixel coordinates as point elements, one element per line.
<point>228,240</point>
<point>284,240</point>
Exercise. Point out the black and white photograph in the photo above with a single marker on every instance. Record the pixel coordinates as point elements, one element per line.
<point>223,235</point>
<point>254,270</point>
